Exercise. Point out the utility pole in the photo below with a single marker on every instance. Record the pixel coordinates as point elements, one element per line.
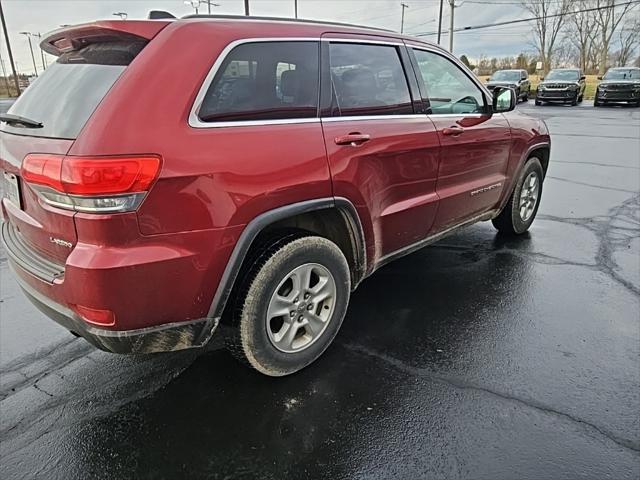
<point>6,38</point>
<point>246,7</point>
<point>33,57</point>
<point>452,4</point>
<point>440,21</point>
<point>295,8</point>
<point>403,5</point>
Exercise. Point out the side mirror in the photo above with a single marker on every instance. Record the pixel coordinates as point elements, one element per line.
<point>583,77</point>
<point>504,99</point>
<point>599,77</point>
<point>541,78</point>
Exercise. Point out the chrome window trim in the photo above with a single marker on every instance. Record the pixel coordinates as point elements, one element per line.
<point>194,120</point>
<point>361,118</point>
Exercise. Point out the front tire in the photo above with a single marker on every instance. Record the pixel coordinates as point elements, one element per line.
<point>538,103</point>
<point>290,306</point>
<point>522,207</point>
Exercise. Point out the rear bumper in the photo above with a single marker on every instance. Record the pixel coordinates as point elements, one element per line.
<point>164,338</point>
<point>159,290</point>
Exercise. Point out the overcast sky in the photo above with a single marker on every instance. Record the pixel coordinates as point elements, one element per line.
<point>421,17</point>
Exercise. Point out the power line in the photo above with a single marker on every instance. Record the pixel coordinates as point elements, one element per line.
<point>530,19</point>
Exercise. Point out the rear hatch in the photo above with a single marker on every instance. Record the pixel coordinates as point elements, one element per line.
<point>48,117</point>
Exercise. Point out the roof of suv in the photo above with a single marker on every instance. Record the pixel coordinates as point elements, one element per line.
<point>57,41</point>
<point>288,20</point>
<point>302,27</point>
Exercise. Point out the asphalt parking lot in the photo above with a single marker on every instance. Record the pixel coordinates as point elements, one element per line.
<point>478,358</point>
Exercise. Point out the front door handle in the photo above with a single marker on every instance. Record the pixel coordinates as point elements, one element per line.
<point>455,131</point>
<point>354,139</point>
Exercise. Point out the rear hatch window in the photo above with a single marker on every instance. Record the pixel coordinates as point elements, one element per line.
<point>63,98</point>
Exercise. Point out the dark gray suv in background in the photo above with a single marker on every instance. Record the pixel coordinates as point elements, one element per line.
<point>619,85</point>
<point>562,85</point>
<point>516,79</point>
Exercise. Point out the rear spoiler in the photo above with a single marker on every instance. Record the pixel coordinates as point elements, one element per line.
<point>72,38</point>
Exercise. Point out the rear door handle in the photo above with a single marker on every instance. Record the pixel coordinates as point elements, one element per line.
<point>455,131</point>
<point>354,139</point>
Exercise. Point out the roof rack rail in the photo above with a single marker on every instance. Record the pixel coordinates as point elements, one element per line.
<point>287,19</point>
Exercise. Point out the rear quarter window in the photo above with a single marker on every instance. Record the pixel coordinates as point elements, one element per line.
<point>264,81</point>
<point>67,92</point>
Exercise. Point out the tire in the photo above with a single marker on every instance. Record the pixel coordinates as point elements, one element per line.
<point>596,102</point>
<point>574,102</point>
<point>538,103</point>
<point>525,98</point>
<point>511,221</point>
<point>270,284</point>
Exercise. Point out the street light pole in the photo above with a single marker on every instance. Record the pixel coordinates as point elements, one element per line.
<point>246,7</point>
<point>33,57</point>
<point>4,75</point>
<point>6,38</point>
<point>440,21</point>
<point>295,8</point>
<point>403,5</point>
<point>44,62</point>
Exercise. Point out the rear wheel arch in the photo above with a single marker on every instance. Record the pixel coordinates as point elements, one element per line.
<point>333,218</point>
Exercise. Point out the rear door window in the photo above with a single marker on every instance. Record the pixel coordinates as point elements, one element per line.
<point>65,95</point>
<point>264,81</point>
<point>369,80</point>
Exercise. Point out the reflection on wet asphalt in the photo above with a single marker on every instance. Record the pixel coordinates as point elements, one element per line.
<point>477,357</point>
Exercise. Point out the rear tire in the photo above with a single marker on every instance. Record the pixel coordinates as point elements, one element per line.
<point>522,207</point>
<point>290,306</point>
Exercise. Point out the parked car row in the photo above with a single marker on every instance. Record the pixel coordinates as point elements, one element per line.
<point>567,85</point>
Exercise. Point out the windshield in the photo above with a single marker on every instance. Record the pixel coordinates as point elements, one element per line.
<point>565,75</point>
<point>507,75</point>
<point>623,74</point>
<point>65,95</point>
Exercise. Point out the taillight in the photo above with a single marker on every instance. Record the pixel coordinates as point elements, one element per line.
<point>91,184</point>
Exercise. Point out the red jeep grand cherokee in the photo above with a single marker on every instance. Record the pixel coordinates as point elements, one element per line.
<point>165,175</point>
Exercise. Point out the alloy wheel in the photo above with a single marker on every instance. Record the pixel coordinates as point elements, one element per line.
<point>529,196</point>
<point>301,308</point>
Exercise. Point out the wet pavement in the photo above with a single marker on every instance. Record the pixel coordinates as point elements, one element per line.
<point>477,357</point>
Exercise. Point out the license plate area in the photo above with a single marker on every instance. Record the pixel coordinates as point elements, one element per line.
<point>11,188</point>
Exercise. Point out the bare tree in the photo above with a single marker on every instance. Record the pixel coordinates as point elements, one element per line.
<point>550,18</point>
<point>608,18</point>
<point>583,32</point>
<point>629,38</point>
